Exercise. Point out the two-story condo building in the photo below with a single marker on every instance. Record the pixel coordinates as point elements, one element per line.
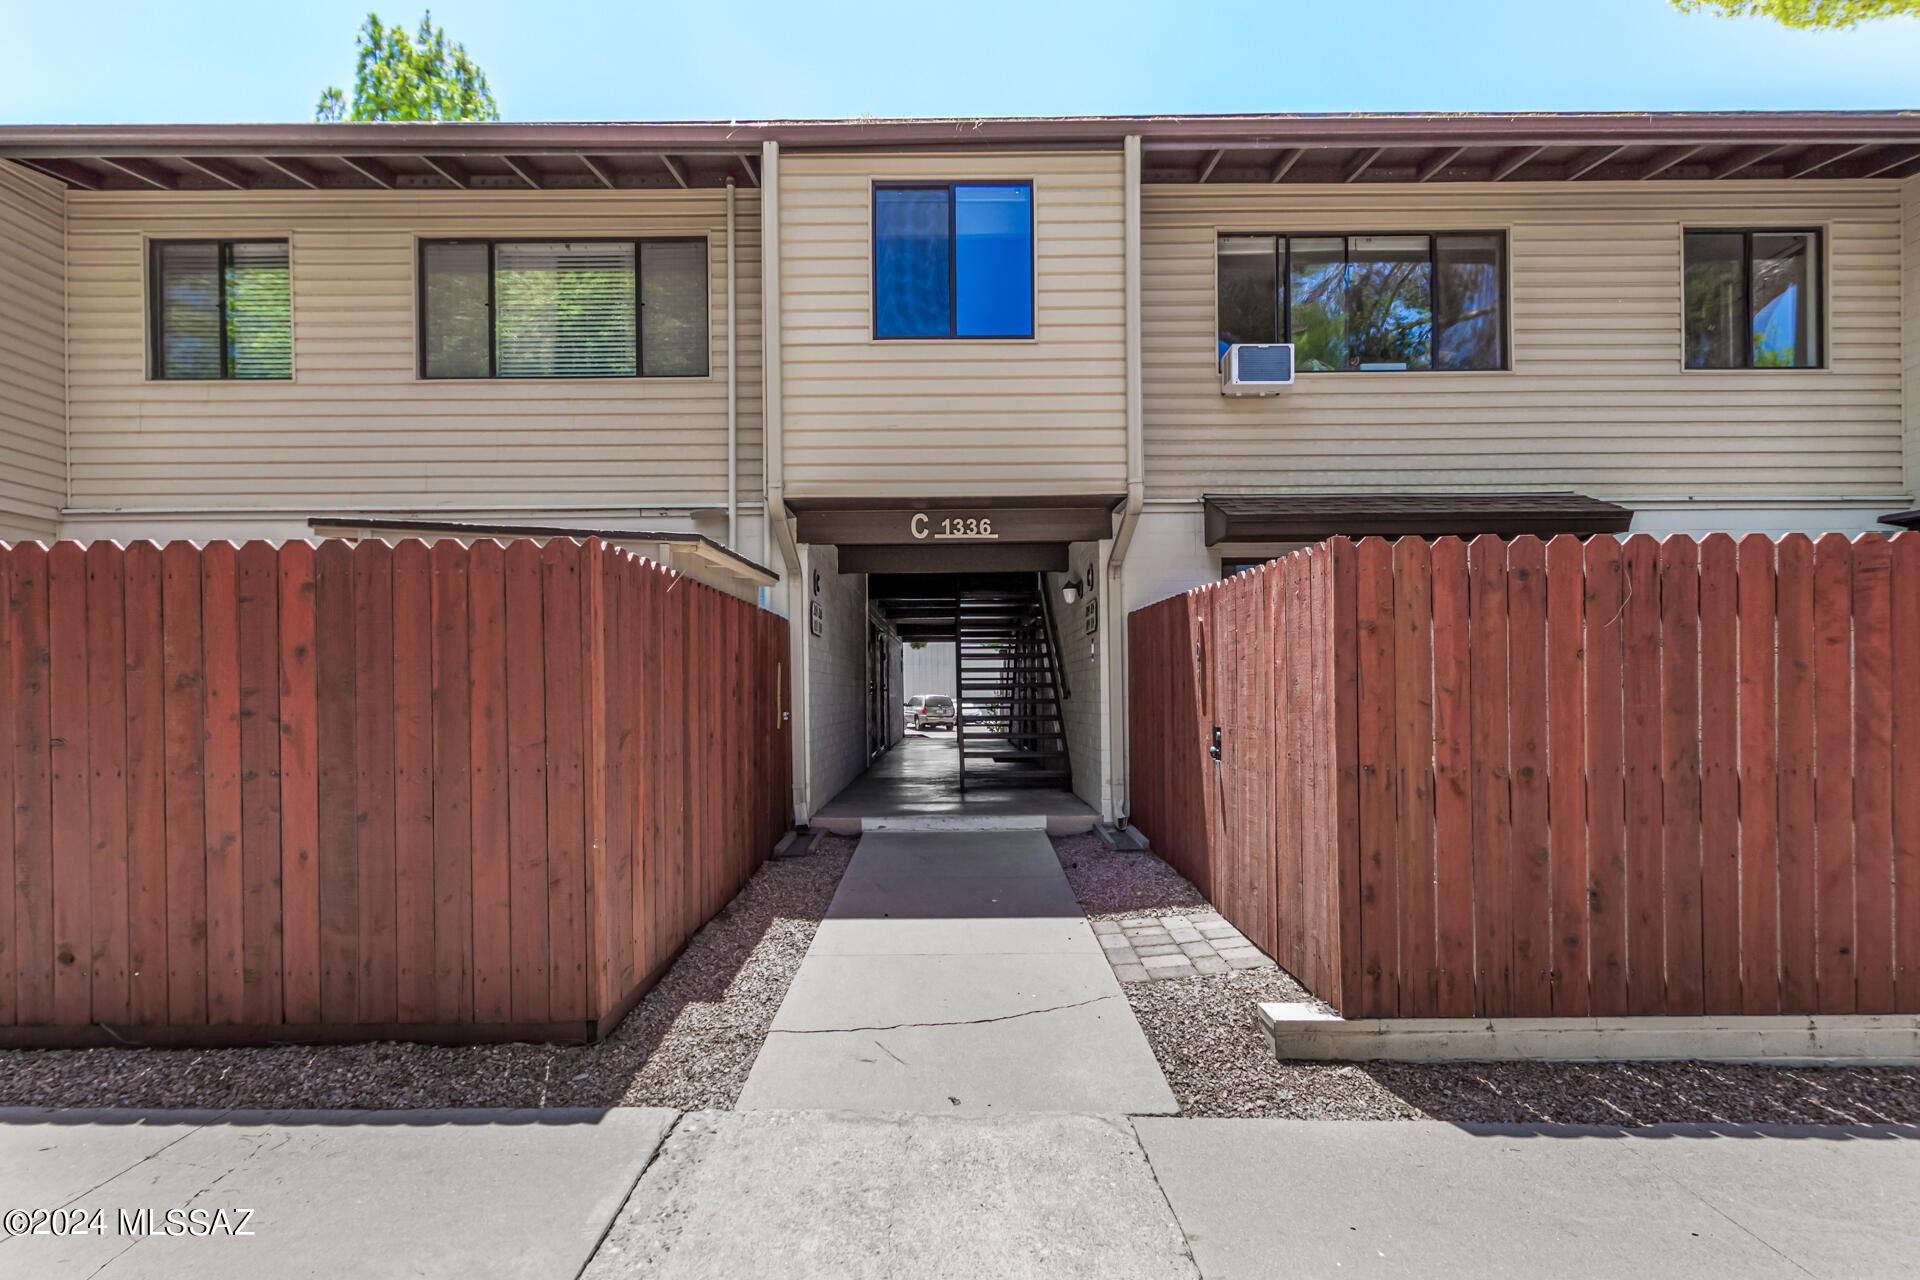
<point>994,380</point>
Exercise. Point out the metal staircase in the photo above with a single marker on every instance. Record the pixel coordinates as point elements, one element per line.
<point>1008,719</point>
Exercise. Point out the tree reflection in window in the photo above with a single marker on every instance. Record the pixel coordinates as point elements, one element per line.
<point>1389,302</point>
<point>1317,310</point>
<point>1751,299</point>
<point>1370,303</point>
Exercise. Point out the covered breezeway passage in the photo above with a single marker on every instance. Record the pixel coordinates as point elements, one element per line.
<point>1006,597</point>
<point>1007,752</point>
<point>918,778</point>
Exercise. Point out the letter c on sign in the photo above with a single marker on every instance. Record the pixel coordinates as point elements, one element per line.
<point>919,524</point>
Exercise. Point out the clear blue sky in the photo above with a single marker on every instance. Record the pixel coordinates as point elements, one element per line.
<point>231,60</point>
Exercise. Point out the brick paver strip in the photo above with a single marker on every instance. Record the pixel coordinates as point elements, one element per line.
<point>1176,946</point>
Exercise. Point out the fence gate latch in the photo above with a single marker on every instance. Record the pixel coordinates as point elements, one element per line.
<point>1214,750</point>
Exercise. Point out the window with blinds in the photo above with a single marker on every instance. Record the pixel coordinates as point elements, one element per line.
<point>563,309</point>
<point>220,309</point>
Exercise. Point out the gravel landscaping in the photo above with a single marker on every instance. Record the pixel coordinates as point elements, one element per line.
<point>1201,1030</point>
<point>688,1044</point>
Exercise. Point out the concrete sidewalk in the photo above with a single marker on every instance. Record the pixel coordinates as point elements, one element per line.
<point>524,1195</point>
<point>954,974</point>
<point>542,1195</point>
<point>1422,1198</point>
<point>773,1194</point>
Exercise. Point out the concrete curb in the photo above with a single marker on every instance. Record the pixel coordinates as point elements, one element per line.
<point>1052,824</point>
<point>1309,1032</point>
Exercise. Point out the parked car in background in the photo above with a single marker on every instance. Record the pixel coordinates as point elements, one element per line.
<point>930,711</point>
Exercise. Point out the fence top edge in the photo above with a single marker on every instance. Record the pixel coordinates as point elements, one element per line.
<point>1669,547</point>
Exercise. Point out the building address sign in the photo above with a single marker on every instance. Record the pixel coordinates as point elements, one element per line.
<point>947,526</point>
<point>924,526</point>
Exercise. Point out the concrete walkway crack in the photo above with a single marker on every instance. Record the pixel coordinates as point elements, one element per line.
<point>1728,1218</point>
<point>958,1022</point>
<point>968,959</point>
<point>614,1217</point>
<point>151,1155</point>
<point>1173,1214</point>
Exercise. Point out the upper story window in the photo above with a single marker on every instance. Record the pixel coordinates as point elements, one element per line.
<point>1368,302</point>
<point>953,260</point>
<point>219,309</point>
<point>563,309</point>
<point>1752,299</point>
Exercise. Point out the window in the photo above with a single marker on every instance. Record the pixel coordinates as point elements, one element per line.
<point>1752,299</point>
<point>219,309</point>
<point>1368,302</point>
<point>563,309</point>
<point>953,260</point>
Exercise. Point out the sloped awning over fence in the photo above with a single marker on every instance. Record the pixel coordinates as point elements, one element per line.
<point>1312,517</point>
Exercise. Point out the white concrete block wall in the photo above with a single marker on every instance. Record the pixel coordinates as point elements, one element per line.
<point>1169,554</point>
<point>1081,662</point>
<point>836,675</point>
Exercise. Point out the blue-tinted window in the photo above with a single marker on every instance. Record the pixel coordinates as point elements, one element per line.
<point>953,260</point>
<point>913,262</point>
<point>993,261</point>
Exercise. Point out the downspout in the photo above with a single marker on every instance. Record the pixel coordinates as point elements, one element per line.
<point>733,390</point>
<point>774,467</point>
<point>1116,613</point>
<point>773,474</point>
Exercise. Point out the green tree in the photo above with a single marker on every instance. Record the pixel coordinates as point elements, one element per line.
<point>427,77</point>
<point>1835,15</point>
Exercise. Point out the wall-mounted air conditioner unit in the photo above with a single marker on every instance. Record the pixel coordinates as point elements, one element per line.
<point>1256,368</point>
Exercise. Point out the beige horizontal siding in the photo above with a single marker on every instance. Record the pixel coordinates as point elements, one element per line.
<point>355,425</point>
<point>963,417</point>
<point>1596,399</point>
<point>33,392</point>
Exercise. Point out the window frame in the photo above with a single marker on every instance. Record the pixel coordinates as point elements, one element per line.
<point>876,186</point>
<point>1820,331</point>
<point>1283,295</point>
<point>156,333</point>
<point>493,374</point>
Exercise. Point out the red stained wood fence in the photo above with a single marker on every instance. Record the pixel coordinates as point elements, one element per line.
<point>1562,778</point>
<point>367,791</point>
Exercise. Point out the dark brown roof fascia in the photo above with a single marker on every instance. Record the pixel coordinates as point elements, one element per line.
<point>1902,519</point>
<point>1182,132</point>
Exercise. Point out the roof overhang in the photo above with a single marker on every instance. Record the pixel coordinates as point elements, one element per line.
<point>1260,149</point>
<point>1902,519</point>
<point>1257,518</point>
<point>693,554</point>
